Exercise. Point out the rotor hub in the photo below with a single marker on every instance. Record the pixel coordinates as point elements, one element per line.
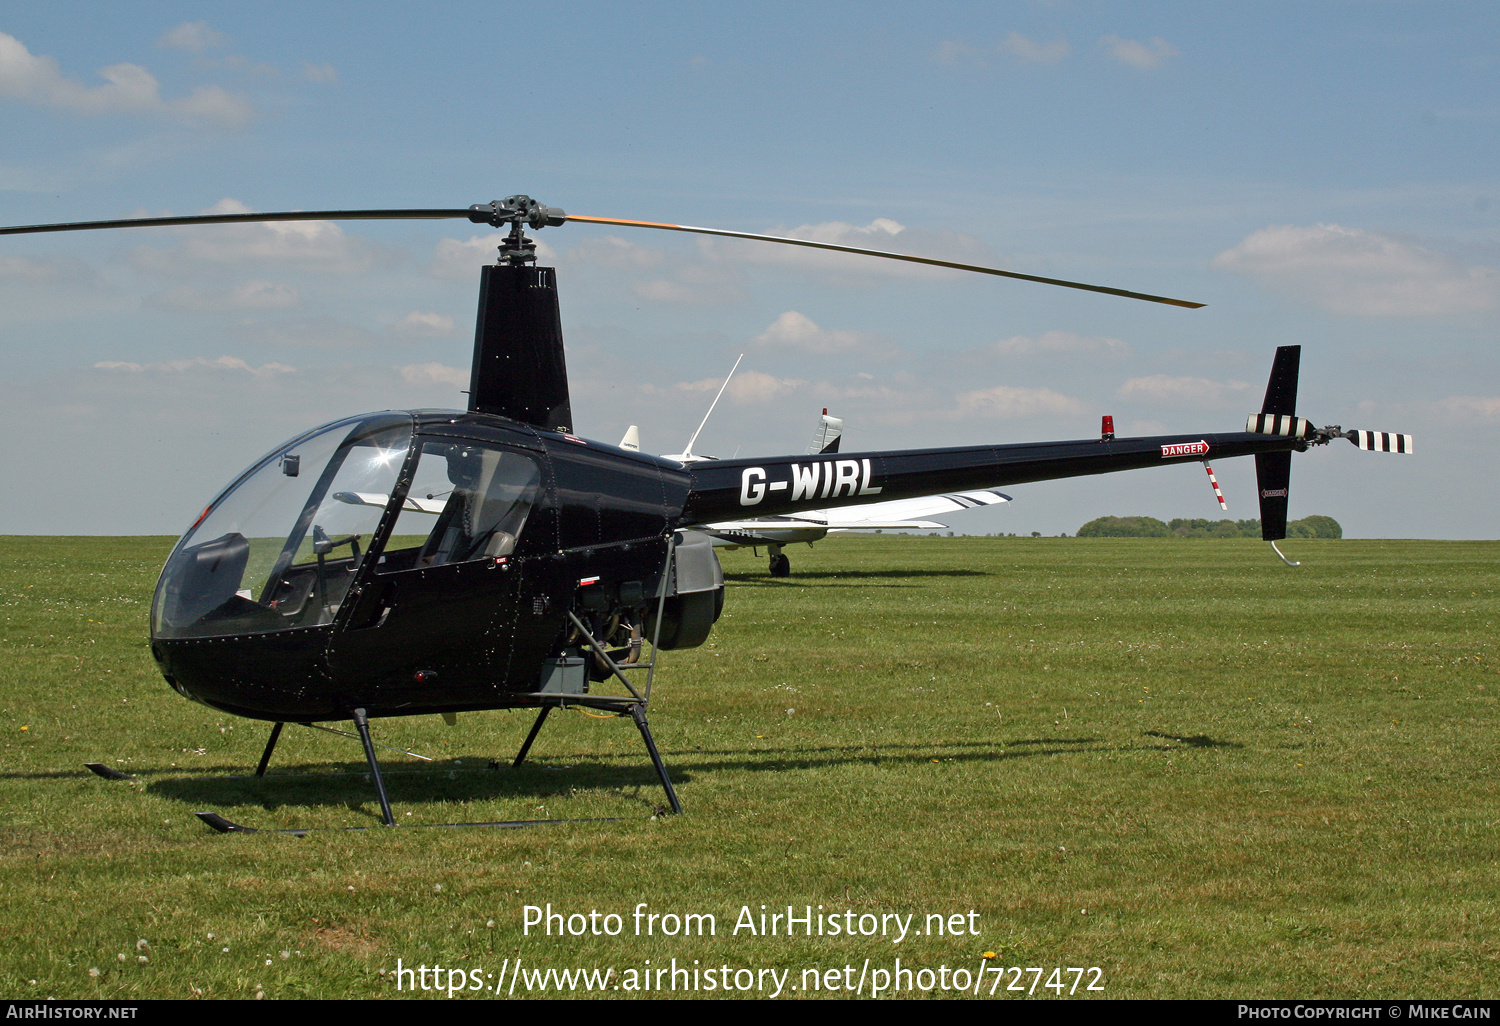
<point>517,211</point>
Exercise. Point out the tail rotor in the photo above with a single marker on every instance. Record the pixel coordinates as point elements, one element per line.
<point>1273,471</point>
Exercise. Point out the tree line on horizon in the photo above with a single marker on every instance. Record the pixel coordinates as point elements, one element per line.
<point>1150,527</point>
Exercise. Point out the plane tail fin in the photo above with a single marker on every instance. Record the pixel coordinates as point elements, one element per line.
<point>826,436</point>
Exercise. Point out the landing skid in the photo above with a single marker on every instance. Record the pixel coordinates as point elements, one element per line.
<point>621,706</point>
<point>632,705</point>
<point>228,826</point>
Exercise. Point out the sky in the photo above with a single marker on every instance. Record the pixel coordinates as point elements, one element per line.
<point>1321,174</point>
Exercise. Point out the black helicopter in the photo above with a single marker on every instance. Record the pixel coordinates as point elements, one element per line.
<point>434,561</point>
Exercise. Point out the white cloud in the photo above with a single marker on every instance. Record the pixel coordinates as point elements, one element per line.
<point>312,245</point>
<point>793,330</point>
<point>249,295</point>
<point>435,374</point>
<point>881,234</point>
<point>1009,403</point>
<point>314,333</point>
<point>197,363</point>
<point>1058,343</point>
<point>426,323</point>
<point>614,252</point>
<point>461,260</point>
<point>214,104</point>
<point>745,388</point>
<point>693,285</point>
<point>1470,408</point>
<point>38,271</point>
<point>240,65</point>
<point>193,36</point>
<point>953,51</point>
<point>1030,50</point>
<point>1141,56</point>
<point>1196,393</point>
<point>1349,271</point>
<point>323,73</point>
<point>127,89</point>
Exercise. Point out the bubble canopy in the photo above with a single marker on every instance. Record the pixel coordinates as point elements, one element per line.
<point>278,549</point>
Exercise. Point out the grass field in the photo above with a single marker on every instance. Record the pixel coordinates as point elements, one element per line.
<point>1181,762</point>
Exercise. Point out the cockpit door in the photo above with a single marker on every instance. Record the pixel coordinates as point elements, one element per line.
<point>437,618</point>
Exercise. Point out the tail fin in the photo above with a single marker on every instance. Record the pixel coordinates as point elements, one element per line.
<point>1273,471</point>
<point>519,370</point>
<point>826,436</point>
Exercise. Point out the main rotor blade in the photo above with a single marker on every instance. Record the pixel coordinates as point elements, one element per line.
<point>473,214</point>
<point>889,256</point>
<point>246,218</point>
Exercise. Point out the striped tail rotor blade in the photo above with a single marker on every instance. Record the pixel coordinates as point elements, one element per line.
<point>1380,441</point>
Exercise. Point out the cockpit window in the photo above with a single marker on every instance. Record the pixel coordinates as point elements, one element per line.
<point>280,548</point>
<point>466,502</point>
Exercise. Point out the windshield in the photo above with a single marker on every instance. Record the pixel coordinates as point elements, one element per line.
<point>281,546</point>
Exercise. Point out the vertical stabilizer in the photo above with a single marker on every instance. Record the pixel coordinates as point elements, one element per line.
<point>1273,471</point>
<point>826,436</point>
<point>519,371</point>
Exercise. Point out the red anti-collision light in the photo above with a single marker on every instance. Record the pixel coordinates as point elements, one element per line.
<point>1107,428</point>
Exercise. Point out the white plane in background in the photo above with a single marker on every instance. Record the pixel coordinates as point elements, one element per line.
<point>814,525</point>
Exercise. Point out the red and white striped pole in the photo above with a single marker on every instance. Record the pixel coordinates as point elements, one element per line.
<point>1215,482</point>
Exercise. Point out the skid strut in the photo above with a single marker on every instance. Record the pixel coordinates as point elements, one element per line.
<point>265,758</point>
<point>363,726</point>
<point>633,704</point>
<point>536,728</point>
<point>638,713</point>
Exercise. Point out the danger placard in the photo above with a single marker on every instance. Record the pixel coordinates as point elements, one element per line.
<point>1197,448</point>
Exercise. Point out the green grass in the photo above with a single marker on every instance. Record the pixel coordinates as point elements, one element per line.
<point>1206,773</point>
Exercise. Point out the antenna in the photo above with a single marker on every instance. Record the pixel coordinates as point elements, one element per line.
<point>688,452</point>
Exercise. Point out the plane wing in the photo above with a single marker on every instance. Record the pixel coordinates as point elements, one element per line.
<point>811,525</point>
<point>411,502</point>
<point>853,518</point>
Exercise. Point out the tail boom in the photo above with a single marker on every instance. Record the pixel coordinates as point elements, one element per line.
<point>731,489</point>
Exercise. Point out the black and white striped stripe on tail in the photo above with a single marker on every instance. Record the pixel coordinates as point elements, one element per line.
<point>1278,424</point>
<point>1298,427</point>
